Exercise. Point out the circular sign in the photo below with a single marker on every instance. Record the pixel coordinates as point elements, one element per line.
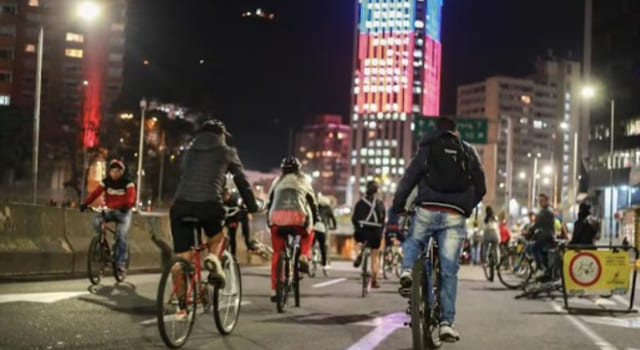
<point>585,269</point>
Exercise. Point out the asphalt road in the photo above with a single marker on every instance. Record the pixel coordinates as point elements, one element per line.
<point>70,315</point>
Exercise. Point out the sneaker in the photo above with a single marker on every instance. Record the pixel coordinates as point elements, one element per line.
<point>448,333</point>
<point>406,279</point>
<point>358,261</point>
<point>375,284</point>
<point>122,272</point>
<point>273,298</point>
<point>304,264</point>
<point>216,274</point>
<point>325,270</point>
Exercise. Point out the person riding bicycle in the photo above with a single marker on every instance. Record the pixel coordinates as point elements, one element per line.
<point>543,234</point>
<point>326,223</point>
<point>451,182</point>
<point>291,206</point>
<point>200,194</point>
<point>392,230</point>
<point>234,203</point>
<point>368,220</point>
<point>491,235</point>
<point>119,198</point>
<point>505,234</point>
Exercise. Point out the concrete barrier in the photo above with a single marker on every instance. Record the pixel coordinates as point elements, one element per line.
<point>32,241</point>
<point>79,231</point>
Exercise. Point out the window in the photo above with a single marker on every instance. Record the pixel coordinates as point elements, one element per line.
<point>115,57</point>
<point>8,30</point>
<point>76,53</point>
<point>34,3</point>
<point>75,37</point>
<point>5,100</point>
<point>5,77</point>
<point>115,72</point>
<point>6,54</point>
<point>117,27</point>
<point>537,124</point>
<point>8,8</point>
<point>30,48</point>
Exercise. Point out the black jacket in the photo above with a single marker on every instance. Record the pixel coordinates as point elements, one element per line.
<point>585,231</point>
<point>416,175</point>
<point>363,218</point>
<point>205,168</point>
<point>545,226</point>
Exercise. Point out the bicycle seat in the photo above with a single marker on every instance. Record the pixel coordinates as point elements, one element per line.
<point>285,231</point>
<point>190,220</point>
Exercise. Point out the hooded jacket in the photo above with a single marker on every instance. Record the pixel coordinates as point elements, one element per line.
<point>293,193</point>
<point>119,194</point>
<point>205,168</point>
<point>415,175</point>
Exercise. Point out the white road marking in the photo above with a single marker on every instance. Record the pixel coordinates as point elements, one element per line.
<point>328,283</point>
<point>625,302</point>
<point>385,326</point>
<point>172,317</point>
<point>47,298</point>
<point>597,340</point>
<point>615,322</point>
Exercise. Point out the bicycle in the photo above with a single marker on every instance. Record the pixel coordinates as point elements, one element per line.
<point>516,267</point>
<point>316,260</point>
<point>488,261</point>
<point>549,283</point>
<point>366,275</point>
<point>288,269</point>
<point>181,277</point>
<point>392,260</point>
<point>101,254</point>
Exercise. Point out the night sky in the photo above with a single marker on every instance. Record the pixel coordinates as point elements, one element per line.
<point>264,77</point>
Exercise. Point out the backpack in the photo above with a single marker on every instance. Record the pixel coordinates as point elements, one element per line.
<point>448,165</point>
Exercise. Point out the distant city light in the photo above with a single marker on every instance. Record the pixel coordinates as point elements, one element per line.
<point>145,62</point>
<point>588,92</point>
<point>126,116</point>
<point>88,10</point>
<point>522,175</point>
<point>85,82</point>
<point>564,126</point>
<point>259,13</point>
<point>548,169</point>
<point>201,61</point>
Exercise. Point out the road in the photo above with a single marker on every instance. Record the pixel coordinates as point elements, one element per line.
<point>69,315</point>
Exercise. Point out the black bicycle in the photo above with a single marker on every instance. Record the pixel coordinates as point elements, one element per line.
<point>102,254</point>
<point>516,266</point>
<point>288,269</point>
<point>550,282</point>
<point>489,261</point>
<point>392,259</point>
<point>366,275</point>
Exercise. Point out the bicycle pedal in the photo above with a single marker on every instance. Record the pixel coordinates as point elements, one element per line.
<point>405,292</point>
<point>407,324</point>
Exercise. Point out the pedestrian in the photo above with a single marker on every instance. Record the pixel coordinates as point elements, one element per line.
<point>586,229</point>
<point>476,244</point>
<point>490,236</point>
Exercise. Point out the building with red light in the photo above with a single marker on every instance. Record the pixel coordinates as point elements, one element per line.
<point>323,148</point>
<point>396,79</point>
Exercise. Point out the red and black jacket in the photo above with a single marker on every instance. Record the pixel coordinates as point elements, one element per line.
<point>119,194</point>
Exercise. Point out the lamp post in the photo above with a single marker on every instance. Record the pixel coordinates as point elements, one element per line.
<point>87,11</point>
<point>143,109</point>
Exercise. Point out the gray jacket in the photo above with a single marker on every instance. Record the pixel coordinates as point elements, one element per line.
<point>205,168</point>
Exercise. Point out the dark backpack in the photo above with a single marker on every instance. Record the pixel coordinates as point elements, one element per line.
<point>448,165</point>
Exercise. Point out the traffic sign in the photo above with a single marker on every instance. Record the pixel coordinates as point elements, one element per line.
<point>472,129</point>
<point>596,272</point>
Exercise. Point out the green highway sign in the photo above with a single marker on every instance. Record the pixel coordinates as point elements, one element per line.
<point>472,129</point>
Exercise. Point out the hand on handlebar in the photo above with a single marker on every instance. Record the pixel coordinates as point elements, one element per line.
<point>83,207</point>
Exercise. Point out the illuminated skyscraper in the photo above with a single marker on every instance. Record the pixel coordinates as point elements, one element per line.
<point>396,79</point>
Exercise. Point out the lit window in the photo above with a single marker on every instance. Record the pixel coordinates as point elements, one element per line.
<point>75,37</point>
<point>525,99</point>
<point>76,53</point>
<point>5,100</point>
<point>34,3</point>
<point>524,120</point>
<point>30,48</point>
<point>537,124</point>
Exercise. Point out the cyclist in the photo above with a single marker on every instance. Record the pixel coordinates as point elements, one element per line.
<point>232,201</point>
<point>368,220</point>
<point>119,198</point>
<point>543,232</point>
<point>505,234</point>
<point>393,231</point>
<point>491,235</point>
<point>451,183</point>
<point>200,193</point>
<point>326,223</point>
<point>291,205</point>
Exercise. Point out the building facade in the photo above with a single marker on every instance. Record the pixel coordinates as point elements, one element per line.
<point>396,79</point>
<point>323,148</point>
<point>531,140</point>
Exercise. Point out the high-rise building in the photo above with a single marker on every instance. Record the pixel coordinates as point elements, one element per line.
<point>83,62</point>
<point>530,145</point>
<point>396,79</point>
<point>323,148</point>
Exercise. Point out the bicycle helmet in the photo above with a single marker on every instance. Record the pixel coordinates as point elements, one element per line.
<point>116,163</point>
<point>290,164</point>
<point>215,126</point>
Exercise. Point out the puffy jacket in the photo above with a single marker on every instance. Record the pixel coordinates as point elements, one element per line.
<point>292,193</point>
<point>205,168</point>
<point>415,175</point>
<point>369,213</point>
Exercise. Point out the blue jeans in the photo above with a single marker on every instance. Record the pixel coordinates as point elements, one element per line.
<point>539,250</point>
<point>123,222</point>
<point>449,231</point>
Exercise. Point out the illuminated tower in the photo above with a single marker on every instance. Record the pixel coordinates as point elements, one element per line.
<point>396,79</point>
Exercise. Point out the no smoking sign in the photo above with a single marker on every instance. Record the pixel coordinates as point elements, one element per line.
<point>585,269</point>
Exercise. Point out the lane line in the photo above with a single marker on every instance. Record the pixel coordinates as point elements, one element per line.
<point>172,317</point>
<point>595,338</point>
<point>385,326</point>
<point>328,283</point>
<point>48,298</point>
<point>624,301</point>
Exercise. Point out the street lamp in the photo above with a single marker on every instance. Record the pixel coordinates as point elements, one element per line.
<point>143,109</point>
<point>522,175</point>
<point>548,169</point>
<point>88,11</point>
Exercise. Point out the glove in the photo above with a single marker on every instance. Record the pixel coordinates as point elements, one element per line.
<point>83,207</point>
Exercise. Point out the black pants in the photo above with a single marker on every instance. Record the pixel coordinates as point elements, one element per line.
<point>232,226</point>
<point>321,238</point>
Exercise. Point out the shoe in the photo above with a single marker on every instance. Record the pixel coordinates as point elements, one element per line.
<point>121,271</point>
<point>216,274</point>
<point>273,298</point>
<point>358,261</point>
<point>325,270</point>
<point>375,284</point>
<point>304,264</point>
<point>406,279</point>
<point>447,333</point>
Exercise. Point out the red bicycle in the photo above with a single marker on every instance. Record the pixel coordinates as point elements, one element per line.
<point>182,290</point>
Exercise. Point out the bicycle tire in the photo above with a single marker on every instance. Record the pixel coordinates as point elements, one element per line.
<point>225,328</point>
<point>432,334</point>
<point>398,264</point>
<point>365,274</point>
<point>314,263</point>
<point>417,305</point>
<point>524,269</point>
<point>96,259</point>
<point>492,265</point>
<point>296,279</point>
<point>385,264</point>
<point>120,277</point>
<point>282,282</point>
<point>187,274</point>
<point>485,259</point>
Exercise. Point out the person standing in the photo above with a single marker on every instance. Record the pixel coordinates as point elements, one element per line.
<point>490,236</point>
<point>586,228</point>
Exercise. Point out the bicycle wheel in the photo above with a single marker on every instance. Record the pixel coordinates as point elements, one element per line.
<point>227,301</point>
<point>417,304</point>
<point>432,327</point>
<point>117,274</point>
<point>97,259</point>
<point>486,258</point>
<point>315,256</point>
<point>296,278</point>
<point>492,265</point>
<point>514,275</point>
<point>398,264</point>
<point>386,264</point>
<point>366,278</point>
<point>282,282</point>
<point>176,303</point>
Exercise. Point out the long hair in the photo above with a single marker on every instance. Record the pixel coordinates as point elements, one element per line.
<point>489,214</point>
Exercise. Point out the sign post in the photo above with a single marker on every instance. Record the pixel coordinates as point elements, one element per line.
<point>472,129</point>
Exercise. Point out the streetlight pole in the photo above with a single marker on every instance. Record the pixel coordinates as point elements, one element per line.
<point>534,180</point>
<point>611,187</point>
<point>36,115</point>
<point>143,109</point>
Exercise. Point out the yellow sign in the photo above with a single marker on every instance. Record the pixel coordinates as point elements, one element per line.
<point>591,272</point>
